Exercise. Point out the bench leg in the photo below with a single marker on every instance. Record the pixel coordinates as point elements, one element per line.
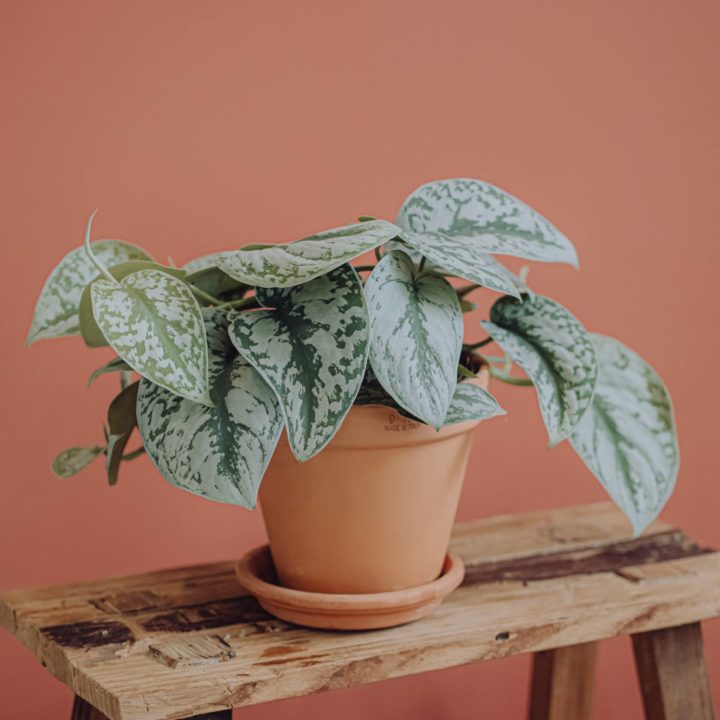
<point>83,710</point>
<point>673,675</point>
<point>562,683</point>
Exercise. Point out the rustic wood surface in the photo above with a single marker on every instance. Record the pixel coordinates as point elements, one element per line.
<point>562,683</point>
<point>673,675</point>
<point>181,642</point>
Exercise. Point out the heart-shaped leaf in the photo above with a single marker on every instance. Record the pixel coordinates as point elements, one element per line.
<point>153,322</point>
<point>312,349</point>
<point>495,220</point>
<point>121,423</point>
<point>471,402</point>
<point>91,334</point>
<point>463,257</point>
<point>556,352</point>
<point>301,261</point>
<point>627,438</point>
<point>219,452</point>
<point>57,310</point>
<point>416,330</point>
<point>74,459</point>
<point>114,365</point>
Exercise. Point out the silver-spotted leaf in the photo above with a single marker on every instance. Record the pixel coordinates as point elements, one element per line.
<point>57,310</point>
<point>416,330</point>
<point>153,322</point>
<point>74,459</point>
<point>463,257</point>
<point>496,221</point>
<point>204,262</point>
<point>627,438</point>
<point>555,351</point>
<point>471,402</point>
<point>219,452</point>
<point>311,347</point>
<point>284,266</point>
<point>91,334</point>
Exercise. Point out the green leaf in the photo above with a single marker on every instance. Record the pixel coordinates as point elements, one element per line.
<point>555,351</point>
<point>57,309</point>
<point>493,219</point>
<point>416,330</point>
<point>74,459</point>
<point>471,402</point>
<point>121,422</point>
<point>153,322</point>
<point>115,365</point>
<point>204,262</point>
<point>89,330</point>
<point>312,350</point>
<point>219,452</point>
<point>463,257</point>
<point>217,282</point>
<point>627,438</point>
<point>288,265</point>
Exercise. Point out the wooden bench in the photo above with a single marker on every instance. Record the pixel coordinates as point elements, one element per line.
<point>189,643</point>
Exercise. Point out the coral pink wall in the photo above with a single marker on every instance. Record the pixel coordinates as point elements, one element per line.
<point>197,126</point>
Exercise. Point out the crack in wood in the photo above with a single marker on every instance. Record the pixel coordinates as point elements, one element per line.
<point>672,545</point>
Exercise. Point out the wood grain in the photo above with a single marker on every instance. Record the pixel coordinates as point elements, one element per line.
<point>562,683</point>
<point>673,675</point>
<point>180,642</point>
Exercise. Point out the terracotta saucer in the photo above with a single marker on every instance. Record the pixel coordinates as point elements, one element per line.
<point>343,612</point>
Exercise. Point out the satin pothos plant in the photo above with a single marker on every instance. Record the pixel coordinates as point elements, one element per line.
<point>217,357</point>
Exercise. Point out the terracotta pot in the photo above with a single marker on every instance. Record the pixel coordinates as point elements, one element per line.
<point>372,512</point>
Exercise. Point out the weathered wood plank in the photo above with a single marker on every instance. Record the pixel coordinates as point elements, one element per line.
<point>187,641</point>
<point>673,675</point>
<point>562,683</point>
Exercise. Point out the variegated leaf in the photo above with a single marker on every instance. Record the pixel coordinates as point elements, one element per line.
<point>470,402</point>
<point>416,330</point>
<point>204,262</point>
<point>496,221</point>
<point>56,312</point>
<point>153,322</point>
<point>115,365</point>
<point>312,349</point>
<point>627,438</point>
<point>219,452</point>
<point>91,334</point>
<point>71,461</point>
<point>556,352</point>
<point>288,265</point>
<point>463,257</point>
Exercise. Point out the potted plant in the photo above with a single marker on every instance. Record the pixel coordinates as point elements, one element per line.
<point>350,389</point>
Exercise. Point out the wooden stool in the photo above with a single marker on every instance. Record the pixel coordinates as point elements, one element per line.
<point>188,643</point>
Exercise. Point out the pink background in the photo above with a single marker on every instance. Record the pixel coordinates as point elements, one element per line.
<point>199,126</point>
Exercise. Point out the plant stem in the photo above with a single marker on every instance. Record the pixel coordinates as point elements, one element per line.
<point>249,302</point>
<point>475,346</point>
<point>504,377</point>
<point>421,266</point>
<point>135,453</point>
<point>467,289</point>
<point>91,254</point>
<point>364,268</point>
<point>202,295</point>
<point>378,254</point>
